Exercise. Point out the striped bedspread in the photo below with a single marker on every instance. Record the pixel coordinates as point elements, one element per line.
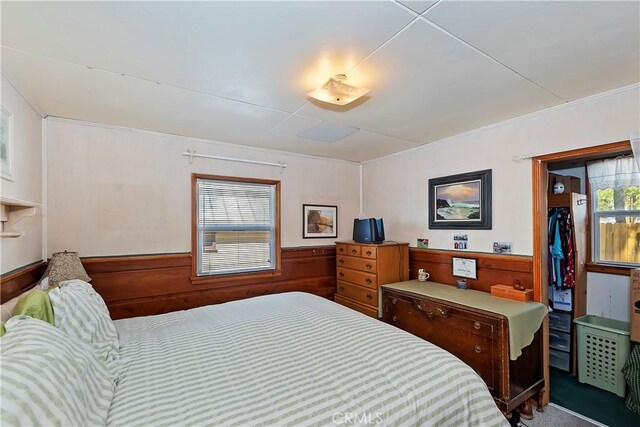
<point>289,359</point>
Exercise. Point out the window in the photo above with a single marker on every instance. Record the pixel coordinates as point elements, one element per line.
<point>236,225</point>
<point>615,187</point>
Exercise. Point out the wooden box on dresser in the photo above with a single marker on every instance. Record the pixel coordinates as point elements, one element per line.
<point>477,337</point>
<point>363,267</point>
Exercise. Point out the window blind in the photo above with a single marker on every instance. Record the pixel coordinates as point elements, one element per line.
<point>236,226</point>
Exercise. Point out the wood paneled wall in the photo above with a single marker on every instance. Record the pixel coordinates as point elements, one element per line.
<point>153,284</point>
<point>492,269</point>
<point>16,282</point>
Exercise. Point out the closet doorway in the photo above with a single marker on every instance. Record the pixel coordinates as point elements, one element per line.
<point>541,166</point>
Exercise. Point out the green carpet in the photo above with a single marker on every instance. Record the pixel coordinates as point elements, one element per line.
<point>590,401</point>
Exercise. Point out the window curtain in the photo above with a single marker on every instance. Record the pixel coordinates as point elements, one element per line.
<point>614,173</point>
<point>635,146</point>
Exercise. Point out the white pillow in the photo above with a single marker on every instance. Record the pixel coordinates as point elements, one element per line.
<point>80,312</point>
<point>48,378</point>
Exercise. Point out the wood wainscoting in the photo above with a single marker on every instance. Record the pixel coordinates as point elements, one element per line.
<point>16,282</point>
<point>153,284</point>
<point>493,269</point>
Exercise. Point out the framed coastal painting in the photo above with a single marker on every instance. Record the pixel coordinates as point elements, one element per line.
<point>319,221</point>
<point>6,144</point>
<point>461,201</point>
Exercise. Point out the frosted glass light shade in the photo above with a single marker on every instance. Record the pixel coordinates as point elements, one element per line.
<point>336,91</point>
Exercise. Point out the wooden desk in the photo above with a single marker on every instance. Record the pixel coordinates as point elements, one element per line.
<point>478,337</point>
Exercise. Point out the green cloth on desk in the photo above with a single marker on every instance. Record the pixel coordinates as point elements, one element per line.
<point>524,318</point>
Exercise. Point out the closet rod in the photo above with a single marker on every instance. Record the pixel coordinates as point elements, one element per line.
<point>191,154</point>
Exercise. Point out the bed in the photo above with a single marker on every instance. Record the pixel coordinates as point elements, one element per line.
<point>289,359</point>
<point>285,359</point>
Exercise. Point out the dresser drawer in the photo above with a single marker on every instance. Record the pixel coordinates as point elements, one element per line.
<point>436,311</point>
<point>559,359</point>
<point>370,252</point>
<point>559,341</point>
<point>345,249</point>
<point>560,321</point>
<point>358,293</point>
<point>358,277</point>
<point>474,339</point>
<point>361,264</point>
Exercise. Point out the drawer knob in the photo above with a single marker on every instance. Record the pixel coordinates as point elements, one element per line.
<point>353,251</point>
<point>369,253</point>
<point>477,349</point>
<point>476,325</point>
<point>369,297</point>
<point>393,300</point>
<point>368,280</point>
<point>341,261</point>
<point>424,310</point>
<point>341,274</point>
<point>442,312</point>
<point>342,288</point>
<point>369,266</point>
<point>394,318</point>
<point>341,250</point>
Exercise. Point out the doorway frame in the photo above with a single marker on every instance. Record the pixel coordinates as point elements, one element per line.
<point>539,174</point>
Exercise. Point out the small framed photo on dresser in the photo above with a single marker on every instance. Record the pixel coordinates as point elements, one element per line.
<point>319,221</point>
<point>464,267</point>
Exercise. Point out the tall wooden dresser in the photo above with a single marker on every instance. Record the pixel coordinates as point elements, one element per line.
<point>363,267</point>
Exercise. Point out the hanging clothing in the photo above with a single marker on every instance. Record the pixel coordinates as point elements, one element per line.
<point>561,250</point>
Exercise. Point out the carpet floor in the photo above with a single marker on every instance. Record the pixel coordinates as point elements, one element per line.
<point>592,402</point>
<point>554,416</point>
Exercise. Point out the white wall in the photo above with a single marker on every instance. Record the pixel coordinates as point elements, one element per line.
<point>608,295</point>
<point>118,191</point>
<point>27,183</point>
<point>396,187</point>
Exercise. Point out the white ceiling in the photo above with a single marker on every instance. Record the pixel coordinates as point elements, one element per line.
<point>239,71</point>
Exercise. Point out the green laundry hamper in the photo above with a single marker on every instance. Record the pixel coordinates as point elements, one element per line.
<point>603,349</point>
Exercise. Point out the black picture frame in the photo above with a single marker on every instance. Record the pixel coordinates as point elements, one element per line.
<point>479,181</point>
<point>308,233</point>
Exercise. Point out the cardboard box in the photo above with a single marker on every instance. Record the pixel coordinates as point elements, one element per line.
<point>635,305</point>
<point>571,183</point>
<point>506,291</point>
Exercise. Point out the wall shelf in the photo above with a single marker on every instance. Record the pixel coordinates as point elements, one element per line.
<point>12,211</point>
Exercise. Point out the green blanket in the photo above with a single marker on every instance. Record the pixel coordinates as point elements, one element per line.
<point>37,305</point>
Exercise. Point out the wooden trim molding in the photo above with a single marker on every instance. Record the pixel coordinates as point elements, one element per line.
<point>608,269</point>
<point>16,282</point>
<point>539,179</point>
<point>597,150</point>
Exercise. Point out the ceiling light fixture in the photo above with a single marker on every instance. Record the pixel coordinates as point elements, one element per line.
<point>336,91</point>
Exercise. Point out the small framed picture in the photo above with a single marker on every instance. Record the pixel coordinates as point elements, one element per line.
<point>464,267</point>
<point>501,247</point>
<point>6,144</point>
<point>319,221</point>
<point>423,243</point>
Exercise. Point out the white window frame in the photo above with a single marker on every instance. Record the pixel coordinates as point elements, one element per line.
<point>274,269</point>
<point>595,233</point>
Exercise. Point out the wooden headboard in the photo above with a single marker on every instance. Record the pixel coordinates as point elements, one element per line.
<point>16,282</point>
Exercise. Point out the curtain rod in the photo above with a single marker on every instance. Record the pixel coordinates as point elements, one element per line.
<point>191,154</point>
